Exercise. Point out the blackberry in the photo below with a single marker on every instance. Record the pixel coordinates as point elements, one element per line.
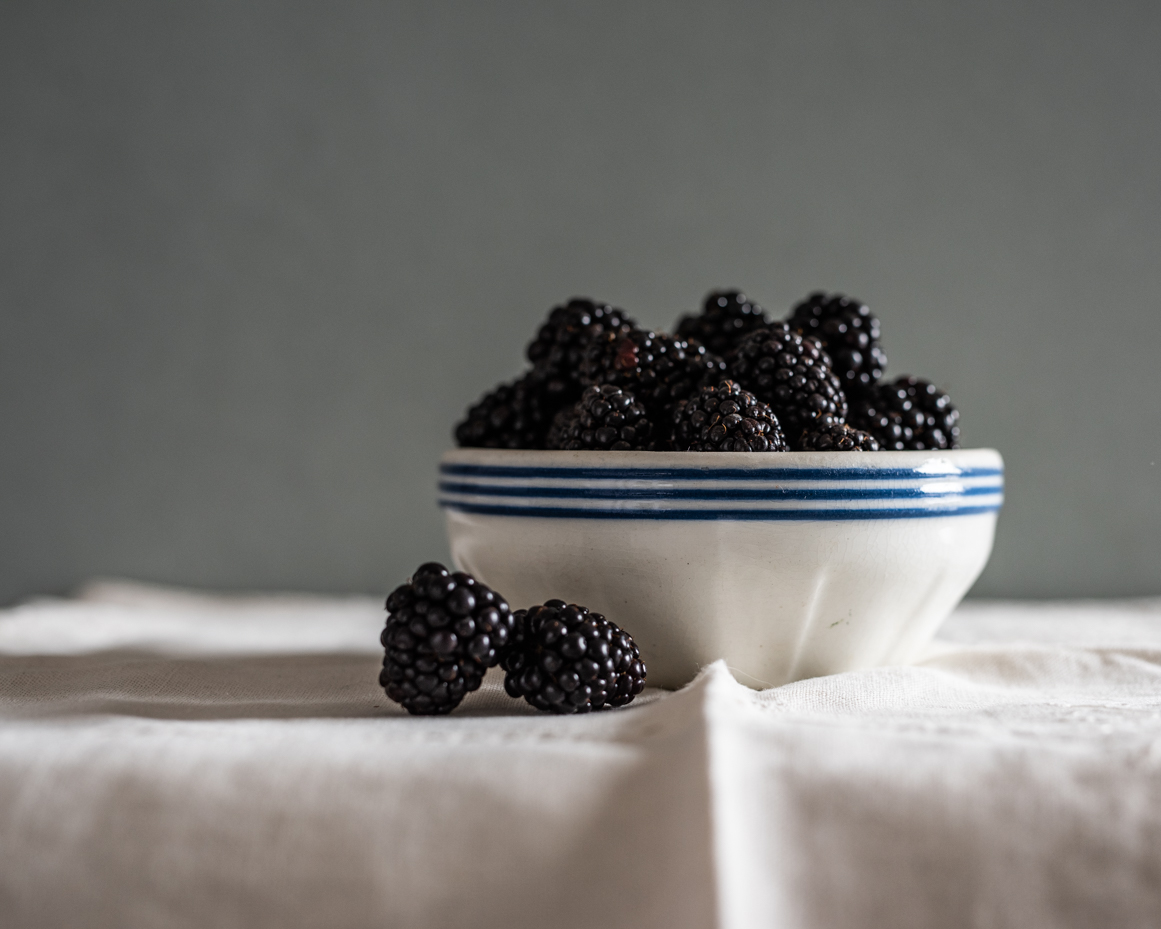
<point>837,437</point>
<point>909,413</point>
<point>792,373</point>
<point>848,333</point>
<point>657,368</point>
<point>560,428</point>
<point>514,415</point>
<point>443,632</point>
<point>726,317</point>
<point>568,660</point>
<point>605,418</point>
<point>725,419</point>
<point>558,349</point>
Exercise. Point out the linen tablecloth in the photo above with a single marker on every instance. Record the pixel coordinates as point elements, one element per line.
<point>175,760</point>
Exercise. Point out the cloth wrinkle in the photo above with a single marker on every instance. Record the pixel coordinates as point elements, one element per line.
<point>174,759</point>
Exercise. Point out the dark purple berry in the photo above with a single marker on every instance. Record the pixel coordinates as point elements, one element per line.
<point>444,630</point>
<point>725,419</point>
<point>566,659</point>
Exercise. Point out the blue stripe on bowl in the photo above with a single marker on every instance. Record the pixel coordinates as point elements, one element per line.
<point>646,492</point>
<point>748,514</point>
<point>931,492</point>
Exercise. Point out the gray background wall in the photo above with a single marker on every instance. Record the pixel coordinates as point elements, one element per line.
<point>256,257</point>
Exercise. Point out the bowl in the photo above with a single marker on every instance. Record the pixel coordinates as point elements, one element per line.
<point>787,565</point>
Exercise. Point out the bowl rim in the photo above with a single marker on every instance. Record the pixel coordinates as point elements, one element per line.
<point>935,460</point>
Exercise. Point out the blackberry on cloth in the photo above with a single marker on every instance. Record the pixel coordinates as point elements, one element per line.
<point>725,419</point>
<point>566,659</point>
<point>725,319</point>
<point>605,418</point>
<point>849,334</point>
<point>444,630</point>
<point>793,374</point>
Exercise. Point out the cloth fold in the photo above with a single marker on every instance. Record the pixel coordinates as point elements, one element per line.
<point>173,759</point>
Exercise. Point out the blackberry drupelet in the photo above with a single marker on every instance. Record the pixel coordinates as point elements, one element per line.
<point>558,349</point>
<point>605,418</point>
<point>444,630</point>
<point>909,413</point>
<point>837,437</point>
<point>725,418</point>
<point>513,415</point>
<point>566,659</point>
<point>849,333</point>
<point>793,374</point>
<point>561,425</point>
<point>725,319</point>
<point>655,367</point>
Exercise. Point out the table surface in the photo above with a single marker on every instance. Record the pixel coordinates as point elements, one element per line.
<point>170,759</point>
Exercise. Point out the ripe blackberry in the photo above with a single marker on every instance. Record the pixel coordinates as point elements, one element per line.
<point>514,415</point>
<point>560,428</point>
<point>605,418</point>
<point>837,437</point>
<point>909,413</point>
<point>568,660</point>
<point>558,349</point>
<point>792,373</point>
<point>443,632</point>
<point>725,319</point>
<point>725,419</point>
<point>848,333</point>
<point>655,367</point>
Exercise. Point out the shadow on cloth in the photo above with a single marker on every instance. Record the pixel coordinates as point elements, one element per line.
<point>145,684</point>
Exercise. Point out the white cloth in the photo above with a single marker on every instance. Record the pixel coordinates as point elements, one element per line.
<point>172,760</point>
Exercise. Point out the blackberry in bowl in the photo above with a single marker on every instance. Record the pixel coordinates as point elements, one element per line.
<point>745,490</point>
<point>727,317</point>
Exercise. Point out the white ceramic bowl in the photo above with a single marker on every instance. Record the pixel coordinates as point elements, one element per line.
<point>787,565</point>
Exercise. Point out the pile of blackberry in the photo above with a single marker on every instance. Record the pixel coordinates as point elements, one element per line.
<point>598,381</point>
<point>445,629</point>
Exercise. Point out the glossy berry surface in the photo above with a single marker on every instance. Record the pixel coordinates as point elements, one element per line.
<point>566,659</point>
<point>606,418</point>
<point>444,630</point>
<point>837,437</point>
<point>558,349</point>
<point>849,334</point>
<point>725,418</point>
<point>658,369</point>
<point>725,319</point>
<point>515,415</point>
<point>908,414</point>
<point>793,374</point>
